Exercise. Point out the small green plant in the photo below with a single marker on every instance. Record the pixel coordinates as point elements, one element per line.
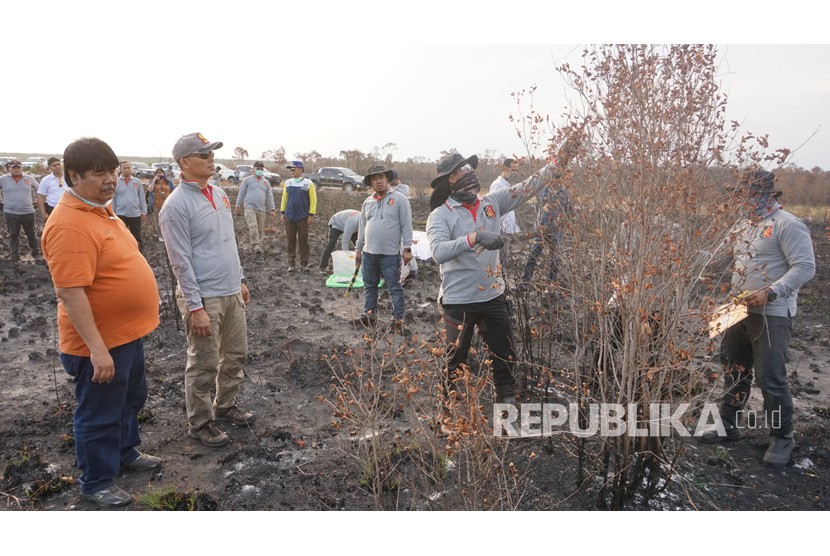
<point>170,500</point>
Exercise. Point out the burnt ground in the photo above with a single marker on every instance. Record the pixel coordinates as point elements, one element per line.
<point>294,457</point>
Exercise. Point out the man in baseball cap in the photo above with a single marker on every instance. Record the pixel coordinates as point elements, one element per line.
<point>298,205</point>
<point>197,226</point>
<point>194,144</point>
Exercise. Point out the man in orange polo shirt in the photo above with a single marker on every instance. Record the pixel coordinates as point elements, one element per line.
<point>108,301</point>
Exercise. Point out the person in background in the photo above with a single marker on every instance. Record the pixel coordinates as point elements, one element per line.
<point>17,193</point>
<point>107,303</point>
<point>159,190</point>
<point>51,188</point>
<point>509,169</point>
<point>256,198</point>
<point>129,202</point>
<point>411,270</point>
<point>343,223</point>
<point>385,225</point>
<point>299,203</point>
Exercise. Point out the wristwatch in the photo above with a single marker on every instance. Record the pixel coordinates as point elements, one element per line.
<point>771,295</point>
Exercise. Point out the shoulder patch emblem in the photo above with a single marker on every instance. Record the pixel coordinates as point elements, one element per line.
<point>226,202</point>
<point>391,201</point>
<point>767,232</point>
<point>489,212</point>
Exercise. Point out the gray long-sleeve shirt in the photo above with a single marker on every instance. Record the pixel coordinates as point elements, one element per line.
<point>467,277</point>
<point>778,252</point>
<point>385,223</point>
<point>201,243</point>
<point>347,221</point>
<point>256,193</point>
<point>129,198</point>
<point>18,196</point>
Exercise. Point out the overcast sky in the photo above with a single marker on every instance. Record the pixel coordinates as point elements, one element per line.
<point>363,74</point>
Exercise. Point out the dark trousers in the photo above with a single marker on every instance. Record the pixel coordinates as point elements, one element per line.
<point>134,225</point>
<point>551,241</point>
<point>49,208</point>
<point>106,418</point>
<point>294,231</point>
<point>758,342</point>
<point>26,221</point>
<point>493,321</point>
<point>334,237</point>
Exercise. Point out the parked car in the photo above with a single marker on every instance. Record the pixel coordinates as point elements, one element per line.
<point>242,171</point>
<point>273,178</point>
<point>227,173</point>
<point>142,170</point>
<point>30,162</point>
<point>341,178</point>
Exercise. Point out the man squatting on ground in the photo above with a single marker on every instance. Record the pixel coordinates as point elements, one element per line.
<point>299,203</point>
<point>17,192</point>
<point>257,198</point>
<point>345,224</point>
<point>197,227</point>
<point>51,188</point>
<point>773,257</point>
<point>472,290</point>
<point>130,203</point>
<point>385,224</point>
<point>108,301</point>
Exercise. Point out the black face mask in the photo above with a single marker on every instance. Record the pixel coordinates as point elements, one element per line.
<point>466,189</point>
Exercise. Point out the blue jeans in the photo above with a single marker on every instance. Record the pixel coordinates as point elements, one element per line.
<point>106,419</point>
<point>388,266</point>
<point>759,342</point>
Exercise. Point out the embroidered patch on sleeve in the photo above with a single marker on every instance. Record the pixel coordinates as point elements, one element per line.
<point>489,212</point>
<point>767,232</point>
<point>226,202</point>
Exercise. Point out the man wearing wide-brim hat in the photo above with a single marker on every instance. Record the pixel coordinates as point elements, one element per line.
<point>773,257</point>
<point>463,230</point>
<point>385,225</point>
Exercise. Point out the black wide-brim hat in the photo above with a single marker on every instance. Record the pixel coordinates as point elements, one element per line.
<point>374,171</point>
<point>441,185</point>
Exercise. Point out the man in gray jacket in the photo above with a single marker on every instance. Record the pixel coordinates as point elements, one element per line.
<point>197,226</point>
<point>257,199</point>
<point>385,225</point>
<point>17,192</point>
<point>464,234</point>
<point>129,202</point>
<point>773,258</point>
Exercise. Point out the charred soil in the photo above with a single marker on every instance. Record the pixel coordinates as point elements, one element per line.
<point>293,458</point>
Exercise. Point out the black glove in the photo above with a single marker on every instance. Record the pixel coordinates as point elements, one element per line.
<point>489,240</point>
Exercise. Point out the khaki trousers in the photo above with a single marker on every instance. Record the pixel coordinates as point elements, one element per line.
<point>216,360</point>
<point>256,226</point>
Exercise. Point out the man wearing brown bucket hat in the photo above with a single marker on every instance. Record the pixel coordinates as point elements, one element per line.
<point>385,225</point>
<point>463,231</point>
<point>773,257</point>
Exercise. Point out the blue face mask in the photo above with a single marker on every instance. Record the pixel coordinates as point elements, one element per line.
<point>259,172</point>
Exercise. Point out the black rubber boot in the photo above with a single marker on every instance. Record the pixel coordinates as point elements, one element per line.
<point>779,451</point>
<point>728,416</point>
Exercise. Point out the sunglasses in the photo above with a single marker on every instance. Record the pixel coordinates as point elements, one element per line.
<point>203,156</point>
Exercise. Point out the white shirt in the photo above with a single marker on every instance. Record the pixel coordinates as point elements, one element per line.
<point>52,187</point>
<point>508,221</point>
